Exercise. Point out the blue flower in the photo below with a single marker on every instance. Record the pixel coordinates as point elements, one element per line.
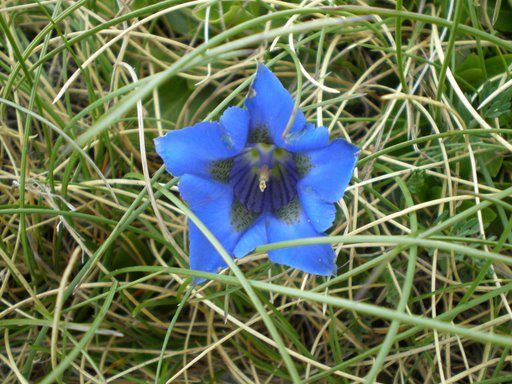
<point>250,185</point>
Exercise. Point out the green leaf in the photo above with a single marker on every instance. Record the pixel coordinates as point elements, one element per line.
<point>232,13</point>
<point>498,64</point>
<point>182,22</point>
<point>492,162</point>
<point>174,96</point>
<point>392,296</point>
<point>470,70</point>
<point>467,227</point>
<point>503,23</point>
<point>417,181</point>
<point>488,215</point>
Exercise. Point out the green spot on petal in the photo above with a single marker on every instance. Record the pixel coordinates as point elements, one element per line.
<point>220,169</point>
<point>280,153</point>
<point>290,213</point>
<point>253,154</point>
<point>303,163</point>
<point>260,135</point>
<point>241,218</point>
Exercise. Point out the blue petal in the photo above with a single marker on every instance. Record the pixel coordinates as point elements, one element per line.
<point>272,105</point>
<point>321,213</point>
<point>308,138</point>
<point>212,202</point>
<point>271,108</point>
<point>192,149</point>
<point>235,122</point>
<point>330,169</point>
<point>252,238</point>
<point>318,259</point>
<point>203,256</point>
<point>201,193</point>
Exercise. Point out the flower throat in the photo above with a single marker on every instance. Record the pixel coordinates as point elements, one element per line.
<point>264,178</point>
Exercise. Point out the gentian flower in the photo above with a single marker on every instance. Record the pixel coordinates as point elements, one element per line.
<point>254,178</point>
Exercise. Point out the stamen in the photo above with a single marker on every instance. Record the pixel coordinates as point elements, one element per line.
<point>264,175</point>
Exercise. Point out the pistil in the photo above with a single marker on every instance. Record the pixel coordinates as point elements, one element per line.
<point>264,176</point>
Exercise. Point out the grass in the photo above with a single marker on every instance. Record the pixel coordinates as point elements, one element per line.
<point>94,278</point>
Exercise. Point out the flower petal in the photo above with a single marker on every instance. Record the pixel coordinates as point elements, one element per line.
<point>271,107</point>
<point>252,238</point>
<point>203,256</point>
<point>321,213</point>
<point>212,202</point>
<point>318,258</point>
<point>192,149</point>
<point>306,139</point>
<point>328,171</point>
<point>235,122</point>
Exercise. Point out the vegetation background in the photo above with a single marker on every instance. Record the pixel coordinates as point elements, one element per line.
<point>94,278</point>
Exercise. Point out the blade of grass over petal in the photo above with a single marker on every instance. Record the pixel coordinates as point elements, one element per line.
<point>294,375</point>
<point>370,309</point>
<point>391,240</point>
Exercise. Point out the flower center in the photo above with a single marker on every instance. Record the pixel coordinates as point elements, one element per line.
<point>264,178</point>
